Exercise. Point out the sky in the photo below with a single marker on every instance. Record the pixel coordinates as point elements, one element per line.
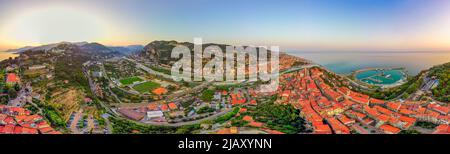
<point>303,25</point>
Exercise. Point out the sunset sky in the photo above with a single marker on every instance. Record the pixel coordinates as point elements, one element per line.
<point>328,25</point>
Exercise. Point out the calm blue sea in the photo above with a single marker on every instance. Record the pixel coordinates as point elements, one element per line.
<point>346,62</point>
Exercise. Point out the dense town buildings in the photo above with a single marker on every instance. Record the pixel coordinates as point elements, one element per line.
<point>333,109</point>
<point>17,120</point>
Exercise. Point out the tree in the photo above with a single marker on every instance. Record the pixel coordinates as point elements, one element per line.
<point>12,92</point>
<point>207,95</point>
<point>284,118</point>
<point>409,131</point>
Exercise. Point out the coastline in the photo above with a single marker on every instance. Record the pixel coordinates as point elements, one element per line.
<point>6,55</point>
<point>345,62</point>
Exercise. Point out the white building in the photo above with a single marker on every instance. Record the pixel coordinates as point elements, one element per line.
<point>36,67</point>
<point>154,114</point>
<point>97,74</point>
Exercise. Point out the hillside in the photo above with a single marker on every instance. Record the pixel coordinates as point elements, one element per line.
<point>442,90</point>
<point>93,47</point>
<point>160,51</point>
<point>59,82</point>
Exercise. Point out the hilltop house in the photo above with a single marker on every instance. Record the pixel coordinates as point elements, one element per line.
<point>12,79</point>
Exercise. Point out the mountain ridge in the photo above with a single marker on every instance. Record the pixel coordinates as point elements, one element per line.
<point>92,46</point>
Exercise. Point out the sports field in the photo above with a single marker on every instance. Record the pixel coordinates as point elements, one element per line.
<point>130,80</point>
<point>146,87</point>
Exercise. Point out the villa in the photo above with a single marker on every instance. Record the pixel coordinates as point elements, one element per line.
<point>12,79</point>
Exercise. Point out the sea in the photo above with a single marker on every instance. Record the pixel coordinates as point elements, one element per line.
<point>5,55</point>
<point>346,62</point>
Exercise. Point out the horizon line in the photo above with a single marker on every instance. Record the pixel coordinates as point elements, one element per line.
<point>286,50</point>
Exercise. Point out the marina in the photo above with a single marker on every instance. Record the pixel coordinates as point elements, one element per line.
<point>383,77</point>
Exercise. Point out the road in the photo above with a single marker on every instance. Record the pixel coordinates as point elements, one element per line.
<point>300,68</point>
<point>148,70</point>
<point>109,88</point>
<point>92,87</point>
<point>404,92</point>
<point>40,112</point>
<point>108,126</point>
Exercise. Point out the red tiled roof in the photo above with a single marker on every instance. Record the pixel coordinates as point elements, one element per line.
<point>247,118</point>
<point>442,129</point>
<point>42,124</point>
<point>173,106</point>
<point>408,120</point>
<point>368,121</point>
<point>152,106</point>
<point>224,131</point>
<point>159,91</point>
<point>54,132</point>
<point>255,124</point>
<point>9,120</point>
<point>441,109</point>
<point>371,111</point>
<point>18,130</point>
<point>344,90</point>
<point>322,129</point>
<point>393,106</point>
<point>376,101</point>
<point>338,127</point>
<point>406,111</point>
<point>390,129</point>
<point>164,107</point>
<point>224,92</point>
<point>333,94</point>
<point>12,78</point>
<point>360,98</point>
<point>20,121</point>
<point>253,102</point>
<point>345,120</point>
<point>358,114</point>
<point>3,117</point>
<point>383,110</point>
<point>26,130</point>
<point>236,99</point>
<point>46,130</point>
<point>8,129</point>
<point>383,117</point>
